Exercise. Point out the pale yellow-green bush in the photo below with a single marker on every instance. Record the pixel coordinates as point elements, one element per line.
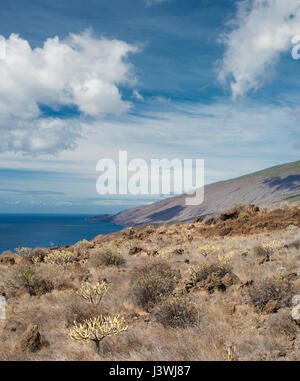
<point>271,245</point>
<point>86,243</point>
<point>93,293</point>
<point>96,329</point>
<point>225,259</point>
<point>23,251</point>
<point>232,244</point>
<point>206,250</point>
<point>61,258</point>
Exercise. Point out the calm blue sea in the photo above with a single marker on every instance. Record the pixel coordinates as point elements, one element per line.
<point>31,230</point>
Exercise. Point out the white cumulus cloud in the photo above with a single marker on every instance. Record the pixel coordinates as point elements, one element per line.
<point>80,71</point>
<point>260,32</point>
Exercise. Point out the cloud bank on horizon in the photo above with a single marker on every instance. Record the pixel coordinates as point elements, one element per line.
<point>81,71</point>
<point>260,32</point>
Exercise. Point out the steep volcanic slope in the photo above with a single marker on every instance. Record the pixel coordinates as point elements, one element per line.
<point>267,187</point>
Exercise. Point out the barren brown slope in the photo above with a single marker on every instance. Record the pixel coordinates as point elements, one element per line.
<point>267,187</point>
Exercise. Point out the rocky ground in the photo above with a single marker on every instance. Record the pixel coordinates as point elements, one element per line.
<point>223,288</point>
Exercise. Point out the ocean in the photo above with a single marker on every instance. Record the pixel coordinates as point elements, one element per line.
<point>47,230</point>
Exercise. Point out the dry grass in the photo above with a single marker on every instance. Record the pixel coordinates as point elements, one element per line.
<point>170,315</point>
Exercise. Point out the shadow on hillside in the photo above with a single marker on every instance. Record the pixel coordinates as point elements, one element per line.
<point>291,182</point>
<point>167,214</point>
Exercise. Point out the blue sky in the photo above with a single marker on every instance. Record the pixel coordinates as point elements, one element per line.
<point>161,79</point>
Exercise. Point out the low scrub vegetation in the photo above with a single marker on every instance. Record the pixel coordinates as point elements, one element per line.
<point>201,273</point>
<point>62,258</point>
<point>269,290</point>
<point>177,312</point>
<point>93,293</point>
<point>153,282</point>
<point>111,257</point>
<point>224,290</point>
<point>98,328</point>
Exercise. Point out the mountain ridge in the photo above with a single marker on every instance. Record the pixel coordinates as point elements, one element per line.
<point>267,187</point>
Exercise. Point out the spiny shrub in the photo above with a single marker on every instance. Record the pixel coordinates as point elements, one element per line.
<point>26,277</point>
<point>269,289</point>
<point>112,257</point>
<point>177,312</point>
<point>152,282</point>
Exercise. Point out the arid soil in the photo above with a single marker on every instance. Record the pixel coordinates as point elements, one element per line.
<point>223,288</point>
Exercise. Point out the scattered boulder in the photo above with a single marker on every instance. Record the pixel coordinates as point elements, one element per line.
<point>198,219</point>
<point>262,260</point>
<point>7,258</point>
<point>213,278</point>
<point>291,277</point>
<point>30,340</point>
<point>228,215</point>
<point>296,313</point>
<point>271,307</point>
<point>135,250</point>
<point>210,220</point>
<point>152,253</point>
<point>230,279</point>
<point>296,300</point>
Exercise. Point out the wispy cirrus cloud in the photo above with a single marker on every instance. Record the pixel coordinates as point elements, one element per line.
<point>29,192</point>
<point>259,33</point>
<point>149,3</point>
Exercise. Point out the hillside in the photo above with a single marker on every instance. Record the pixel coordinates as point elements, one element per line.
<point>223,288</point>
<point>268,187</point>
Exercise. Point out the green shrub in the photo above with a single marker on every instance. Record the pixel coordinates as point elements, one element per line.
<point>112,257</point>
<point>25,276</point>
